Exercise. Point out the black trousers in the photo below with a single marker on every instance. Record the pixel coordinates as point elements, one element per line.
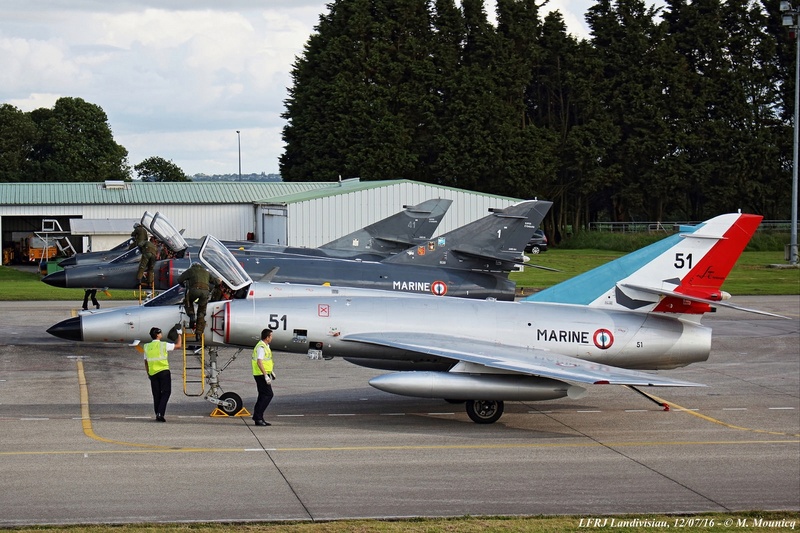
<point>265,396</point>
<point>90,293</point>
<point>161,385</point>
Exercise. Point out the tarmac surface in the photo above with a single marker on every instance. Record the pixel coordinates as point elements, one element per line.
<point>78,443</point>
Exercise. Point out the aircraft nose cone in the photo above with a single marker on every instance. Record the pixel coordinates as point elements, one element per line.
<point>69,261</point>
<point>69,329</point>
<point>56,279</point>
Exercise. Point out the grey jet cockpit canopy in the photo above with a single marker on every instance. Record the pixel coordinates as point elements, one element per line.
<point>163,230</point>
<point>220,262</point>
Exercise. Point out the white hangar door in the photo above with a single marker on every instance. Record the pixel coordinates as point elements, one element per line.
<point>273,226</point>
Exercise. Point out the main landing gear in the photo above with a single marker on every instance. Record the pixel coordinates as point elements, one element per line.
<point>485,411</point>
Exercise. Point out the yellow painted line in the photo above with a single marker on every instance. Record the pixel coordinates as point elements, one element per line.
<point>86,421</point>
<point>449,447</point>
<point>152,448</point>
<point>720,422</point>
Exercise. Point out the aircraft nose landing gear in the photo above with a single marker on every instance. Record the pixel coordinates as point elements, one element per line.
<point>230,403</point>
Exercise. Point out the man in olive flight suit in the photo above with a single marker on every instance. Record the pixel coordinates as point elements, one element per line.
<point>197,281</point>
<point>147,263</point>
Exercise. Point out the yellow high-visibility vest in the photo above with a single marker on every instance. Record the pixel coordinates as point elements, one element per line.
<point>268,364</point>
<point>157,357</point>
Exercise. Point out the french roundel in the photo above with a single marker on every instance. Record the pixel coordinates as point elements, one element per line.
<point>603,339</point>
<point>439,288</point>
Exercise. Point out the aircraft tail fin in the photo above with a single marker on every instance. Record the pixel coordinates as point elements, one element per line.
<point>494,243</point>
<point>413,225</point>
<point>680,274</point>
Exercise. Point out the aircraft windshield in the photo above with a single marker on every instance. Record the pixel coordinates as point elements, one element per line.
<point>147,220</point>
<point>173,296</point>
<point>219,260</point>
<point>128,257</point>
<point>163,229</point>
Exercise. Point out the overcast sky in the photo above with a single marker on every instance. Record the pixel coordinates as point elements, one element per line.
<point>176,78</point>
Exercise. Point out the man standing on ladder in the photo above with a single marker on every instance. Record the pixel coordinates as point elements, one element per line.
<point>197,281</point>
<point>147,263</point>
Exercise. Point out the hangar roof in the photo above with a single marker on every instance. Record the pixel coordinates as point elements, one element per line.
<point>136,192</point>
<point>349,186</point>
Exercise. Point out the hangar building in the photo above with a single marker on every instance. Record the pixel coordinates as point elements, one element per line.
<point>98,215</point>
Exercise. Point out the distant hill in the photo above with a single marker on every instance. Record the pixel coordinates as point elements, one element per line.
<point>235,177</point>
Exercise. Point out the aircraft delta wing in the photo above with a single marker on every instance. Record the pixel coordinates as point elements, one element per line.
<point>427,274</point>
<point>486,352</point>
<point>377,241</point>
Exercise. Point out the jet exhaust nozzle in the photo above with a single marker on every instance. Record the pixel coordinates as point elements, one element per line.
<point>455,386</point>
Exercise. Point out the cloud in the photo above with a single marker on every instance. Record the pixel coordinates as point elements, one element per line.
<point>176,78</point>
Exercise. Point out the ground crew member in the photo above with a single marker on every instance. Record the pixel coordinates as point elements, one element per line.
<point>156,363</point>
<point>198,282</point>
<point>90,293</point>
<point>147,263</point>
<point>138,235</point>
<point>263,374</point>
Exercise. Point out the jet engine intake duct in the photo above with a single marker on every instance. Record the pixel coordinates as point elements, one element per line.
<point>455,386</point>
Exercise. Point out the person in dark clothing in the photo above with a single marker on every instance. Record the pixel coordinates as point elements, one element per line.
<point>264,375</point>
<point>90,293</point>
<point>156,363</point>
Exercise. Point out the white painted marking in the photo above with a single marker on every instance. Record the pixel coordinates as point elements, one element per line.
<point>734,408</point>
<point>587,411</point>
<point>137,418</point>
<point>779,408</point>
<point>342,414</point>
<point>441,413</point>
<point>393,414</point>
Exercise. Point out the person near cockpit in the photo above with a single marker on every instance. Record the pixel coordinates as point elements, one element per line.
<point>197,281</point>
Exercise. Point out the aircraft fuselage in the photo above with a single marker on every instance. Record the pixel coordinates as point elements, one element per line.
<point>319,324</point>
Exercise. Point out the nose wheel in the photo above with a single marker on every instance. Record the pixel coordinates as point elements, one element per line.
<point>230,403</point>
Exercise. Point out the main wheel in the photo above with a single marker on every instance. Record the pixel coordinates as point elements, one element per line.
<point>484,411</point>
<point>231,403</point>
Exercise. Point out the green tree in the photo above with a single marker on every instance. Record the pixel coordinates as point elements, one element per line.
<point>18,135</point>
<point>76,144</point>
<point>159,169</point>
<point>625,38</point>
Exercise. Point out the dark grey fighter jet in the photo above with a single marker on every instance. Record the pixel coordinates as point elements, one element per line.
<point>413,225</point>
<point>472,261</point>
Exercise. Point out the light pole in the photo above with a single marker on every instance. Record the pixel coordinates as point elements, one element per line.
<point>239,137</point>
<point>789,18</point>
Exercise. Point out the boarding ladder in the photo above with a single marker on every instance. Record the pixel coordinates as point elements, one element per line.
<point>194,366</point>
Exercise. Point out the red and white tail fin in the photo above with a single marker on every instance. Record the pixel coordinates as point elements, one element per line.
<point>680,274</point>
<point>687,277</point>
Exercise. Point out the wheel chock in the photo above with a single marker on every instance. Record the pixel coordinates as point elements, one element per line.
<point>219,413</point>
